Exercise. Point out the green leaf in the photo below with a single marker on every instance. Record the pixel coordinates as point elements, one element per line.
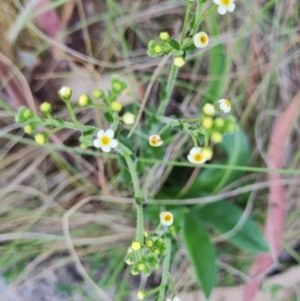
<point>108,116</point>
<point>223,217</point>
<point>175,44</point>
<point>201,252</point>
<point>217,67</point>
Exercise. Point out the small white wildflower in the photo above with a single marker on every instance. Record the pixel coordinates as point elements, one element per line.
<point>201,39</point>
<point>176,299</point>
<point>225,105</point>
<point>225,6</point>
<point>105,140</point>
<point>155,140</point>
<point>196,156</point>
<point>166,218</point>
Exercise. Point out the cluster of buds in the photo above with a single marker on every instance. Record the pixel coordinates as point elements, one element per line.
<point>211,126</point>
<point>144,257</point>
<point>168,45</point>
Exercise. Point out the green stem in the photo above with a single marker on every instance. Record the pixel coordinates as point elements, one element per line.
<point>70,109</point>
<point>169,88</point>
<point>186,19</point>
<point>172,284</point>
<point>137,194</point>
<point>197,19</point>
<point>153,291</point>
<point>207,14</point>
<point>194,139</point>
<point>166,267</point>
<point>196,119</point>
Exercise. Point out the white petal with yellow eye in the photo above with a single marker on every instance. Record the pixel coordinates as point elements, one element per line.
<point>218,2</point>
<point>97,143</point>
<point>106,149</point>
<point>110,133</point>
<point>113,143</point>
<point>231,7</point>
<point>222,10</point>
<point>195,150</point>
<point>100,134</point>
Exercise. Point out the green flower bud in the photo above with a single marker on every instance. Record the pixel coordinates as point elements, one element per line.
<point>216,137</point>
<point>219,122</point>
<point>134,270</point>
<point>84,100</point>
<point>141,266</point>
<point>41,138</point>
<point>155,49</point>
<point>141,295</point>
<point>116,106</point>
<point>65,93</point>
<point>207,122</point>
<point>149,243</point>
<point>98,93</point>
<point>209,109</point>
<point>136,246</point>
<point>130,258</point>
<point>24,114</point>
<point>207,153</point>
<point>29,129</point>
<point>164,36</point>
<point>146,271</point>
<point>179,62</point>
<point>46,108</point>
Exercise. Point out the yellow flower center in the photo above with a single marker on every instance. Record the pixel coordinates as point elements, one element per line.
<point>168,217</point>
<point>203,39</point>
<point>155,140</point>
<point>225,2</point>
<point>227,103</point>
<point>105,140</point>
<point>198,157</point>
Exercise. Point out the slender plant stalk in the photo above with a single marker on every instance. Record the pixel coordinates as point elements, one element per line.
<point>70,109</point>
<point>166,267</point>
<point>186,19</point>
<point>197,18</point>
<point>137,194</point>
<point>169,89</point>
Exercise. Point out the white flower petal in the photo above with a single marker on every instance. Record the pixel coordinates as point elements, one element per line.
<point>100,134</point>
<point>168,299</point>
<point>176,299</point>
<point>106,149</point>
<point>221,100</point>
<point>218,2</point>
<point>195,150</point>
<point>113,143</point>
<point>231,7</point>
<point>190,158</point>
<point>110,133</point>
<point>222,10</point>
<point>97,143</point>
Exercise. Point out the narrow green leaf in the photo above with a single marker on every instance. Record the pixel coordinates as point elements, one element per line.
<point>108,116</point>
<point>223,217</point>
<point>201,251</point>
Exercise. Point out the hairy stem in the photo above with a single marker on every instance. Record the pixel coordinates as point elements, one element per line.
<point>166,267</point>
<point>186,19</point>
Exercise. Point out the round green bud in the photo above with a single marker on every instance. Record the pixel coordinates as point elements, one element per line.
<point>207,122</point>
<point>136,246</point>
<point>207,153</point>
<point>230,127</point>
<point>141,266</point>
<point>179,62</point>
<point>65,93</point>
<point>128,118</point>
<point>209,109</point>
<point>216,137</point>
<point>141,295</point>
<point>130,258</point>
<point>84,100</point>
<point>164,36</point>
<point>146,271</point>
<point>156,251</point>
<point>98,93</point>
<point>46,108</point>
<point>149,243</point>
<point>83,146</point>
<point>117,86</point>
<point>116,106</point>
<point>146,234</point>
<point>219,122</point>
<point>29,129</point>
<point>134,270</point>
<point>158,49</point>
<point>159,241</point>
<point>41,138</point>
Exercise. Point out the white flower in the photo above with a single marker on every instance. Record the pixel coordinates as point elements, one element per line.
<point>201,39</point>
<point>105,140</point>
<point>166,218</point>
<point>155,140</point>
<point>225,105</point>
<point>196,156</point>
<point>225,6</point>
